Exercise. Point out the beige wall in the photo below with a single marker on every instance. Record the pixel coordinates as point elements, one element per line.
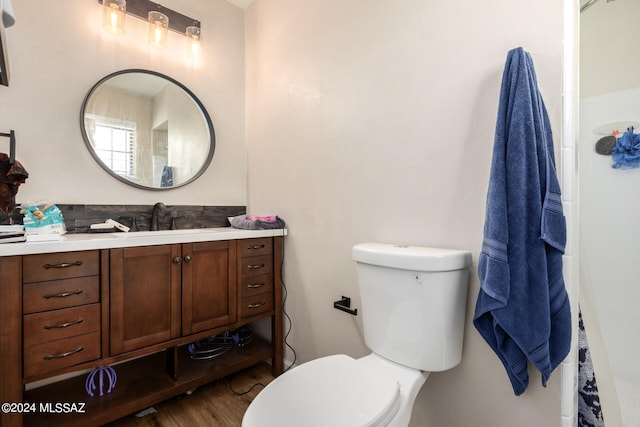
<point>365,121</point>
<point>58,53</point>
<point>373,120</point>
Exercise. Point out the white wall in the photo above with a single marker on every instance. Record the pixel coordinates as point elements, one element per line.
<point>58,51</point>
<point>373,121</point>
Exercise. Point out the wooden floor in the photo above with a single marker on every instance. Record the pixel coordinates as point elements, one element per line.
<point>213,405</point>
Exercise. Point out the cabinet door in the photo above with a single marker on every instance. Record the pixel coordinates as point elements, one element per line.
<point>145,296</point>
<point>208,285</point>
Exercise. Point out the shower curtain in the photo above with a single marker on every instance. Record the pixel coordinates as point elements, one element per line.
<point>589,409</point>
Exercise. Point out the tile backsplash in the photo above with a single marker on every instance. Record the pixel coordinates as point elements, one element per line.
<point>78,218</point>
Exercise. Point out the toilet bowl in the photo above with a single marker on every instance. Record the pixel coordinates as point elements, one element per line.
<point>413,306</point>
<point>338,391</point>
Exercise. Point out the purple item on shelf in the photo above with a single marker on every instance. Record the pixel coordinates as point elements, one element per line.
<point>90,383</point>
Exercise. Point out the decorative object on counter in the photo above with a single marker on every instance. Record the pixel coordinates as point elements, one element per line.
<point>118,107</point>
<point>43,218</point>
<point>257,222</point>
<point>101,372</point>
<point>12,175</point>
<point>626,152</point>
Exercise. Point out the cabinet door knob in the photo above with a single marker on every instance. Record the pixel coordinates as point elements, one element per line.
<point>188,258</point>
<point>177,260</point>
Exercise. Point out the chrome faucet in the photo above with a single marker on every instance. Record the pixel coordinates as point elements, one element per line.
<point>154,215</point>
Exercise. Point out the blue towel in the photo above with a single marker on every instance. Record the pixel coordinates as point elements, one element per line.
<point>166,179</point>
<point>523,309</point>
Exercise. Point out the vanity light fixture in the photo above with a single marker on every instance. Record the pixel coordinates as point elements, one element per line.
<point>194,45</point>
<point>158,29</point>
<point>113,14</point>
<point>159,18</point>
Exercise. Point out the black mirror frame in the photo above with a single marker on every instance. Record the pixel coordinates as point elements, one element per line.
<point>203,110</point>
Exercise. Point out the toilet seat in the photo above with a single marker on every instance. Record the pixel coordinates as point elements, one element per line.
<point>334,390</point>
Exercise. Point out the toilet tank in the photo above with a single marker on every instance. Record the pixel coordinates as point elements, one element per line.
<point>413,303</point>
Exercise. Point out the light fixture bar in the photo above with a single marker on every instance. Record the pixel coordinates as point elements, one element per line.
<point>177,21</point>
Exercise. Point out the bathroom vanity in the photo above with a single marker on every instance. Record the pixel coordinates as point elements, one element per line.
<point>132,301</point>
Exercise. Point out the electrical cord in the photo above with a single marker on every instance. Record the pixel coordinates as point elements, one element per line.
<point>284,311</point>
<point>288,331</point>
<point>242,393</point>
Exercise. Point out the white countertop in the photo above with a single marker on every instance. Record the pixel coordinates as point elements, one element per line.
<point>86,241</point>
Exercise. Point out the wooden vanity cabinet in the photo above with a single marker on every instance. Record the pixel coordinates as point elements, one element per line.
<point>256,276</point>
<point>144,294</point>
<point>61,311</point>
<point>158,293</point>
<point>137,309</point>
<point>208,285</point>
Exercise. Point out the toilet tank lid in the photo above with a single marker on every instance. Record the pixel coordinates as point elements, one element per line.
<point>415,258</point>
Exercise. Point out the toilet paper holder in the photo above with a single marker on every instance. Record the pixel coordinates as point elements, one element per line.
<point>344,304</point>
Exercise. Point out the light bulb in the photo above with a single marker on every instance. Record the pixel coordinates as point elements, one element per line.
<point>113,16</point>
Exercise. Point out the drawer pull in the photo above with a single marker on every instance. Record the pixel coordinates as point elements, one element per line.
<point>64,325</point>
<point>255,266</point>
<point>256,246</point>
<point>61,355</point>
<point>256,285</point>
<point>260,304</point>
<point>62,265</point>
<point>63,294</point>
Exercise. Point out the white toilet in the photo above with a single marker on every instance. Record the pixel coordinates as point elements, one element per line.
<point>413,307</point>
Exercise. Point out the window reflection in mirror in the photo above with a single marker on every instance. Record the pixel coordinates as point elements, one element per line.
<point>147,129</point>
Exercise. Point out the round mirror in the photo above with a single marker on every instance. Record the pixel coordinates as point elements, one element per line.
<point>147,129</point>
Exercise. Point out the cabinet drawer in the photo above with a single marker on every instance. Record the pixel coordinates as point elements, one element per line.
<point>38,268</point>
<point>256,304</point>
<point>253,247</point>
<point>254,285</point>
<point>256,265</point>
<point>57,294</point>
<point>43,358</point>
<point>54,325</point>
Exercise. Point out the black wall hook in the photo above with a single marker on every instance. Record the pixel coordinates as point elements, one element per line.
<point>345,305</point>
